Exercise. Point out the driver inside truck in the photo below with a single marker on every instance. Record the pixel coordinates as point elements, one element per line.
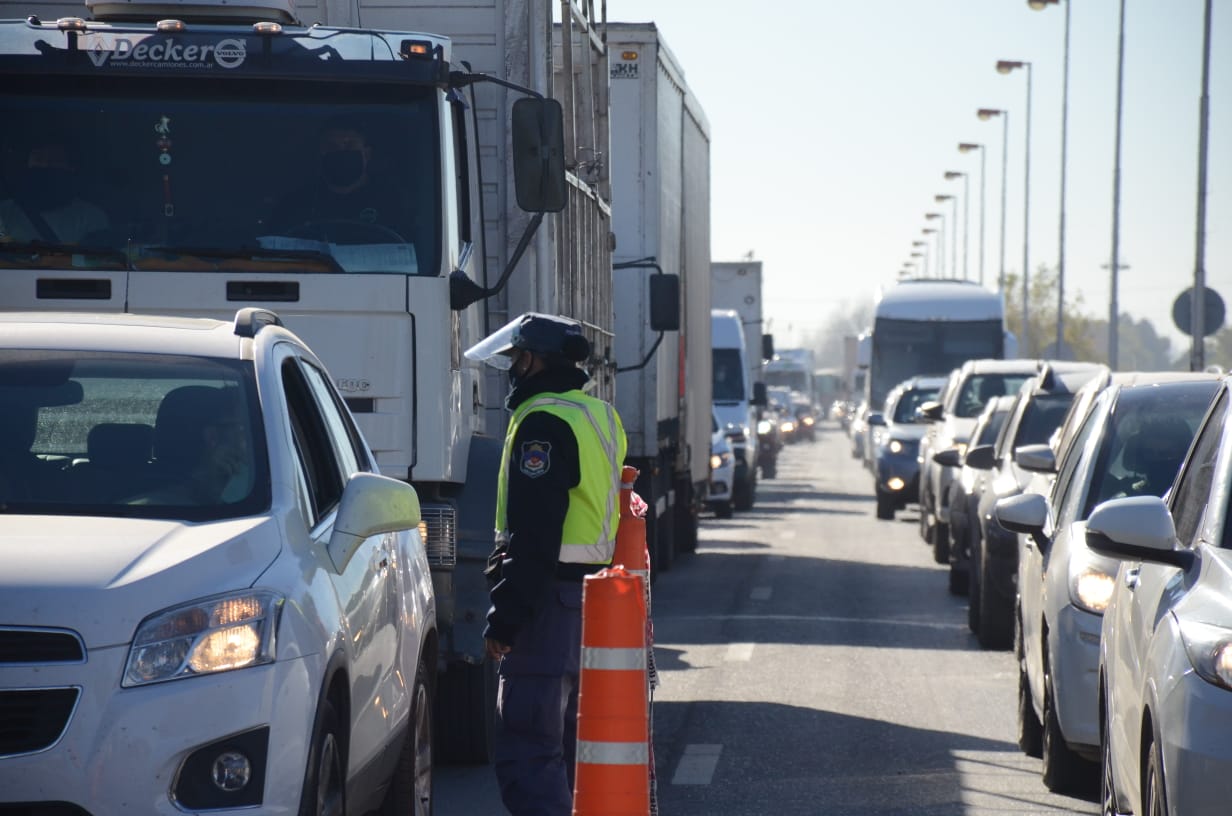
<point>42,202</point>
<point>349,189</point>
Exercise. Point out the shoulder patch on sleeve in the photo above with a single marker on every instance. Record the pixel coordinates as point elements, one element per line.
<point>536,458</point>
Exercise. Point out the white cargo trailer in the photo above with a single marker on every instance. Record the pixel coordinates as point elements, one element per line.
<point>661,219</point>
<point>190,119</point>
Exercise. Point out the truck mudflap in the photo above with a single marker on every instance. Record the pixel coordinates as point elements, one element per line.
<point>466,680</point>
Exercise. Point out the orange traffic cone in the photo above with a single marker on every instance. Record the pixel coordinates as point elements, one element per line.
<point>613,740</point>
<point>631,551</point>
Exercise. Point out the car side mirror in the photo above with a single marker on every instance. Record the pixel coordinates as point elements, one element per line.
<point>981,457</point>
<point>1025,513</point>
<point>1036,458</point>
<point>877,419</point>
<point>371,505</point>
<point>950,457</point>
<point>930,411</point>
<point>1138,528</point>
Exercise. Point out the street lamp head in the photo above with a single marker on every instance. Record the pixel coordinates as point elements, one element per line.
<point>950,175</point>
<point>941,198</point>
<point>967,147</point>
<point>1040,5</point>
<point>984,114</point>
<point>928,230</point>
<point>1005,66</point>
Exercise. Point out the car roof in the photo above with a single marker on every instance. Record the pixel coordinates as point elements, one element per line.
<point>993,366</point>
<point>122,332</point>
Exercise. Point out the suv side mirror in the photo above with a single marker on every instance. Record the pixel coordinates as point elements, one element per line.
<point>539,154</point>
<point>371,504</point>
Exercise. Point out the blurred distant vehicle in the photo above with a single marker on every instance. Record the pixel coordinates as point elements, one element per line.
<point>722,471</point>
<point>1040,408</point>
<point>806,416</point>
<point>965,490</point>
<point>1131,443</point>
<point>857,427</point>
<point>896,436</point>
<point>779,398</point>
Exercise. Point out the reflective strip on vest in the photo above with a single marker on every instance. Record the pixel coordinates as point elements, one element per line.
<point>612,753</point>
<point>596,657</point>
<point>573,552</point>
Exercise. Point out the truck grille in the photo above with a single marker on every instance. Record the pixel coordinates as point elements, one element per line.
<point>32,720</point>
<point>441,541</point>
<point>39,646</point>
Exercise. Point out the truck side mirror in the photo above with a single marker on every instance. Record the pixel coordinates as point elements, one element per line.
<point>539,154</point>
<point>759,393</point>
<point>767,346</point>
<point>664,302</point>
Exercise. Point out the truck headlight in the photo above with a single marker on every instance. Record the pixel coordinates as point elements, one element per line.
<point>216,634</point>
<point>1209,648</point>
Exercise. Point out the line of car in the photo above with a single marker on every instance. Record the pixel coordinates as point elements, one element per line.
<point>1085,515</point>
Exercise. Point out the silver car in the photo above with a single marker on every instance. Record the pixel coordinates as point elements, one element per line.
<point>1130,443</point>
<point>1165,665</point>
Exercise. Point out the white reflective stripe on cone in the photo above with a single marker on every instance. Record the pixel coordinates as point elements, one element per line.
<point>613,753</point>
<point>596,657</point>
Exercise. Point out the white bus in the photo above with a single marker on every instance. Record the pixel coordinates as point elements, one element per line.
<point>929,327</point>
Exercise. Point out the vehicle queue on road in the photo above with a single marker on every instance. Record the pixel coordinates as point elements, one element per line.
<point>1115,564</point>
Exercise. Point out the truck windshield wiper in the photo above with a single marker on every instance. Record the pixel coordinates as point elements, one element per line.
<point>253,253</point>
<point>36,249</point>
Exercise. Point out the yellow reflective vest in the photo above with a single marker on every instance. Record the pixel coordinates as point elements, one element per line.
<point>589,535</point>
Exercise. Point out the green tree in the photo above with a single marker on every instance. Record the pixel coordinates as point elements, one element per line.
<point>1078,340</point>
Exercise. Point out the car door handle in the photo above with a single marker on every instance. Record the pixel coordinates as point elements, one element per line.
<point>1131,577</point>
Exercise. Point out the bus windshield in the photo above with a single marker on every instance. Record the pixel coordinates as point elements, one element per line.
<point>908,348</point>
<point>207,175</point>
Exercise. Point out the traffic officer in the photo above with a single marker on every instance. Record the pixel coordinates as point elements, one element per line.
<point>557,507</point>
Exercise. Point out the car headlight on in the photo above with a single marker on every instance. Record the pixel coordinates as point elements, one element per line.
<point>1091,589</point>
<point>808,421</point>
<point>216,634</point>
<point>1209,648</point>
<point>896,446</point>
<point>787,427</point>
<point>764,427</point>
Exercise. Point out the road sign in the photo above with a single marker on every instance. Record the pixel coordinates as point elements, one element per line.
<point>1212,314</point>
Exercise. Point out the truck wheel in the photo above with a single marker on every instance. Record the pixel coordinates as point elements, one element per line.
<point>885,507</point>
<point>664,553</point>
<point>768,469</point>
<point>410,790</point>
<point>723,510</point>
<point>941,543</point>
<point>958,580</point>
<point>744,493</point>
<point>687,510</point>
<point>466,700</point>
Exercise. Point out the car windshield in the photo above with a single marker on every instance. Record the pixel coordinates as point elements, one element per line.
<point>208,176</point>
<point>909,400</point>
<point>980,388</point>
<point>130,435</point>
<point>1145,440</point>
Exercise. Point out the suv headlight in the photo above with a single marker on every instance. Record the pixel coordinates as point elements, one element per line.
<point>216,634</point>
<point>1209,648</point>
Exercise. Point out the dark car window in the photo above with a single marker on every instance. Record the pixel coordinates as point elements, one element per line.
<point>318,462</point>
<point>1192,489</point>
<point>991,429</point>
<point>1042,416</point>
<point>1063,497</point>
<point>909,400</point>
<point>130,435</point>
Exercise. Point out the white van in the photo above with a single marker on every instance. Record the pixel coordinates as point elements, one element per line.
<point>735,400</point>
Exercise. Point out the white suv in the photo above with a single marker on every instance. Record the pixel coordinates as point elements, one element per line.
<point>209,599</point>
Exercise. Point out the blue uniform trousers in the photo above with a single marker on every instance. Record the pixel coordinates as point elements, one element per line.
<point>536,709</point>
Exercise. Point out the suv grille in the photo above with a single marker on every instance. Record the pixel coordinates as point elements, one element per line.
<point>441,541</point>
<point>39,646</point>
<point>31,720</point>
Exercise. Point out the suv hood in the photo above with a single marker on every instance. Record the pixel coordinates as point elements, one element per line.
<point>100,577</point>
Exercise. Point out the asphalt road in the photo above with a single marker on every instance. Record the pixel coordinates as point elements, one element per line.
<point>813,663</point>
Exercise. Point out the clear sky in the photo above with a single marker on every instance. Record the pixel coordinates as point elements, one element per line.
<point>832,124</point>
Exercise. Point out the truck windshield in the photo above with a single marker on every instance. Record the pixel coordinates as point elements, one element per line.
<point>154,174</point>
<point>908,348</point>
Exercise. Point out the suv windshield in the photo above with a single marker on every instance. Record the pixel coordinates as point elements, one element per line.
<point>132,435</point>
<point>909,400</point>
<point>152,173</point>
<point>980,388</point>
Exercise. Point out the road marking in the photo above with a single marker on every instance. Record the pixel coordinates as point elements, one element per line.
<point>739,652</point>
<point>697,765</point>
<point>815,619</point>
<point>761,593</point>
<point>787,535</point>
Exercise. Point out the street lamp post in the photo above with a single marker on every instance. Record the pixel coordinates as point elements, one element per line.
<point>1115,267</point>
<point>1039,5</point>
<point>1197,348</point>
<point>967,147</point>
<point>928,231</point>
<point>984,114</point>
<point>940,199</point>
<point>921,248</point>
<point>950,175</point>
<point>1005,67</point>
<point>940,242</point>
